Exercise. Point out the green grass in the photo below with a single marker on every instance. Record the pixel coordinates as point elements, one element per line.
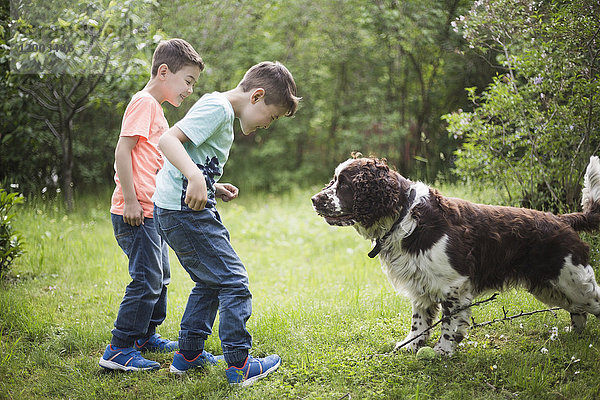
<point>318,301</point>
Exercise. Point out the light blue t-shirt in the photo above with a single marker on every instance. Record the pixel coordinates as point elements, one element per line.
<point>209,126</point>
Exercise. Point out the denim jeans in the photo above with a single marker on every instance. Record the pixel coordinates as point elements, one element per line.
<point>144,305</point>
<point>202,245</point>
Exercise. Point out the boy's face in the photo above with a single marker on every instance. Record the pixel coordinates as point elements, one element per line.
<point>258,114</point>
<point>180,85</point>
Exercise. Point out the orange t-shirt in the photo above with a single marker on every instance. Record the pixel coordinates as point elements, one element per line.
<point>144,118</point>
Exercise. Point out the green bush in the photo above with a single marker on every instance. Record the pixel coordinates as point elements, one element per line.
<point>11,245</point>
<point>533,129</point>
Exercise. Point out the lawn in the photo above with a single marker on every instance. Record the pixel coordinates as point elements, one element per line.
<point>318,301</point>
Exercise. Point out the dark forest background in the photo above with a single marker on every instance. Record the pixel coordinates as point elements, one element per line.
<point>501,92</point>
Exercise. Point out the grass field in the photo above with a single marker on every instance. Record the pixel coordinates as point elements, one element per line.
<point>318,301</point>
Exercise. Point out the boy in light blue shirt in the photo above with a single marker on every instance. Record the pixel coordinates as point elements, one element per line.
<point>208,127</point>
<point>196,149</point>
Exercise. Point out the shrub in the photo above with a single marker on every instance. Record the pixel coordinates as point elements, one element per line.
<point>10,240</point>
<point>533,129</point>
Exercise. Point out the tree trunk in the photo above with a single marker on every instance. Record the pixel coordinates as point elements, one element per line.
<point>67,164</point>
<point>337,111</point>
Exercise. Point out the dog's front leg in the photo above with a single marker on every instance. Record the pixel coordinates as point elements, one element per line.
<point>422,318</point>
<point>456,314</point>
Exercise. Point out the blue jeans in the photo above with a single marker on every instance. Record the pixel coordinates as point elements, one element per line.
<point>202,245</point>
<point>144,304</point>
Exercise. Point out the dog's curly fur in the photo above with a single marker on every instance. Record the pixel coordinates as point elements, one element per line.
<point>377,193</point>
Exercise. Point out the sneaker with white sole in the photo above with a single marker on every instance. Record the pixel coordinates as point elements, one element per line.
<point>181,365</point>
<point>156,344</point>
<point>253,370</point>
<point>126,359</point>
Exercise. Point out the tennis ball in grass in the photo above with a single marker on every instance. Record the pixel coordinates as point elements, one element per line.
<point>426,353</point>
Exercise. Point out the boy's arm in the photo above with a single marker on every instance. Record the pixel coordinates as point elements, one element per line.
<point>133,213</point>
<point>171,145</point>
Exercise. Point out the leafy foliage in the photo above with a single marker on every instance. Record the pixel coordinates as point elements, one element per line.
<point>11,245</point>
<point>375,77</point>
<point>534,127</point>
<point>61,55</point>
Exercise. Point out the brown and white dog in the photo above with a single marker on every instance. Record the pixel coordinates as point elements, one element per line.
<point>445,251</point>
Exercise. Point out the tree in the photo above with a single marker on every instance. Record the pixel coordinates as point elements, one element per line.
<point>418,47</point>
<point>59,62</point>
<point>534,127</point>
<point>374,77</point>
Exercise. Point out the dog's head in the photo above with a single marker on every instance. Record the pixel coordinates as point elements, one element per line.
<point>362,191</point>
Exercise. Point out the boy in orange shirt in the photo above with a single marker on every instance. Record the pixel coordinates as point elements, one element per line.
<point>175,69</point>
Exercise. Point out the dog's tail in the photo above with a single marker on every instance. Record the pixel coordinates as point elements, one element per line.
<point>591,185</point>
<point>589,219</point>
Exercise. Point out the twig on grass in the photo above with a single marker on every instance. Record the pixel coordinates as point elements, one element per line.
<point>474,324</point>
<point>511,317</point>
<point>444,319</point>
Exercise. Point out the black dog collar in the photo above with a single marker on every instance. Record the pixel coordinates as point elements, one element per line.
<point>378,243</point>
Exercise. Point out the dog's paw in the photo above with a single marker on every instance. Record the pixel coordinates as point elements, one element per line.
<point>411,347</point>
<point>444,348</point>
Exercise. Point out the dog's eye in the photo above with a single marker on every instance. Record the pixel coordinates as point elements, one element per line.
<point>343,181</point>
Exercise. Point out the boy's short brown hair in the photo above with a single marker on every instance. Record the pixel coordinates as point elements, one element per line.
<point>278,83</point>
<point>176,53</point>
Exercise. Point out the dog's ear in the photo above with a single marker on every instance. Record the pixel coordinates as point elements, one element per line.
<point>378,192</point>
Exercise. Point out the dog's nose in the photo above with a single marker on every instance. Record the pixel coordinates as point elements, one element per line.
<point>316,199</point>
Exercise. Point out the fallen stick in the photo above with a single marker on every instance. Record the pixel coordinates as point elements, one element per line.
<point>474,324</point>
<point>511,317</point>
<point>445,318</point>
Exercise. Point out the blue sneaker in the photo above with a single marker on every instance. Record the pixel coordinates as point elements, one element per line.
<point>157,344</point>
<point>125,359</point>
<point>180,365</point>
<point>253,370</point>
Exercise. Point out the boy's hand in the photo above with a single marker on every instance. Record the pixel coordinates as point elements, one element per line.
<point>226,191</point>
<point>196,195</point>
<point>133,213</point>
